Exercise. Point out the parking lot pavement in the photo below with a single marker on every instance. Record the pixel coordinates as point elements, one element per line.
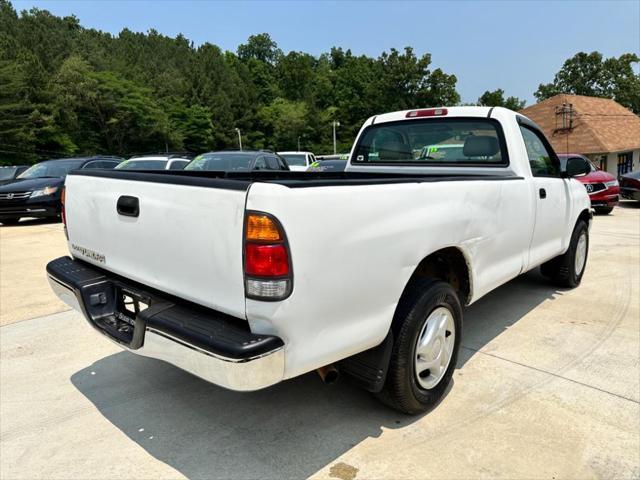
<point>25,249</point>
<point>547,386</point>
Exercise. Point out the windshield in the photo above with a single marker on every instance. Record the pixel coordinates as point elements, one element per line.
<point>142,165</point>
<point>222,161</point>
<point>295,159</point>
<point>432,142</point>
<point>7,172</point>
<point>51,168</point>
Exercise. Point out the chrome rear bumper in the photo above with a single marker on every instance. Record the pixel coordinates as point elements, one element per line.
<point>203,342</point>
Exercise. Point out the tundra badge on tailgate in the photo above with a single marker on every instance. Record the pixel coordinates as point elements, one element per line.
<point>85,252</point>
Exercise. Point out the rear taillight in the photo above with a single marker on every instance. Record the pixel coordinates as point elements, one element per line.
<point>63,213</point>
<point>267,262</point>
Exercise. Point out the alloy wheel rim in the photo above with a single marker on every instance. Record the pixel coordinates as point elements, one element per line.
<point>434,348</point>
<point>581,254</point>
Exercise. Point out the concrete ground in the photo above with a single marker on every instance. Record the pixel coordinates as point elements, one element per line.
<point>24,252</point>
<point>547,386</point>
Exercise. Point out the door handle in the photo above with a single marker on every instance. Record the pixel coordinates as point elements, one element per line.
<point>543,193</point>
<point>128,206</point>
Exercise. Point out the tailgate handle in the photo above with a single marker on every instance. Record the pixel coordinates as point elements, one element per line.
<point>128,206</point>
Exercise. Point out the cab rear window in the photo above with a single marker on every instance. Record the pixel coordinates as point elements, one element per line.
<point>446,141</point>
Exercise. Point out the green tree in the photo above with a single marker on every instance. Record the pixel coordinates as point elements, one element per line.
<point>590,74</point>
<point>260,47</point>
<point>284,121</point>
<point>66,89</point>
<point>496,99</point>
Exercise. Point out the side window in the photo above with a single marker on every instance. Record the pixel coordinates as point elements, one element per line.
<point>261,164</point>
<point>542,161</point>
<point>282,163</point>
<point>109,165</point>
<point>178,165</point>
<point>272,162</point>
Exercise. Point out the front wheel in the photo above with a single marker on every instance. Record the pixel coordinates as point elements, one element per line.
<point>566,270</point>
<point>427,329</point>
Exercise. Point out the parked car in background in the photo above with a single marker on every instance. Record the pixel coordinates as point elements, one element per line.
<point>328,166</point>
<point>253,301</point>
<point>238,161</point>
<point>602,187</point>
<point>9,174</point>
<point>36,192</point>
<point>155,162</point>
<point>630,186</point>
<point>298,161</point>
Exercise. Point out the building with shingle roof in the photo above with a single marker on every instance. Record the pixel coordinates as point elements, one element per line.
<point>599,128</point>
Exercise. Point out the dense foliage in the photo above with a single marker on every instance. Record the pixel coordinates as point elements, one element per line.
<point>590,74</point>
<point>65,90</point>
<point>69,90</point>
<point>497,99</point>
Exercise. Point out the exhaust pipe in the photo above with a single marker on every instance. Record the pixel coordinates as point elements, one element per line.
<point>329,374</point>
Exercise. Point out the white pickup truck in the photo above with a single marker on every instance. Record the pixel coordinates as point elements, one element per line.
<point>409,235</point>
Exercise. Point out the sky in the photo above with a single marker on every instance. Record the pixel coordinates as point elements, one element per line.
<point>513,45</point>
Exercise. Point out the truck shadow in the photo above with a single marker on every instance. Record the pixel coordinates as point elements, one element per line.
<point>503,307</point>
<point>290,430</point>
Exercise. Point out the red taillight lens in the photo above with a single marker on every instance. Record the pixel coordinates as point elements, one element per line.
<point>62,212</point>
<point>429,112</point>
<point>268,275</point>
<point>266,260</point>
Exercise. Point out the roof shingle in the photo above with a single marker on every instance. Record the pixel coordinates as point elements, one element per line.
<point>600,125</point>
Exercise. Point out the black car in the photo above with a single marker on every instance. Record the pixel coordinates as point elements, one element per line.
<point>9,174</point>
<point>630,185</point>
<point>238,161</point>
<point>36,191</point>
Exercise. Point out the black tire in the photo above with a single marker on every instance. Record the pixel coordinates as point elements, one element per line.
<point>10,221</point>
<point>401,390</point>
<point>561,270</point>
<point>603,210</point>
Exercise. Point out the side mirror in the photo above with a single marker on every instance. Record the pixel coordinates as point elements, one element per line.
<point>577,167</point>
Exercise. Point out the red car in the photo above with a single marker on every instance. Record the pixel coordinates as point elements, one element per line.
<point>602,187</point>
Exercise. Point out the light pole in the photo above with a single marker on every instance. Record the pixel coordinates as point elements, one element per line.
<point>335,124</point>
<point>298,142</point>
<point>239,138</point>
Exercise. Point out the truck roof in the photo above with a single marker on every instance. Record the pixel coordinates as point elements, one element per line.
<point>450,112</point>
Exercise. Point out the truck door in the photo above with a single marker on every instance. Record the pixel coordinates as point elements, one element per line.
<point>551,197</point>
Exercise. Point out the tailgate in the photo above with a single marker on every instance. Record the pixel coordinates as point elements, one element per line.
<point>185,241</point>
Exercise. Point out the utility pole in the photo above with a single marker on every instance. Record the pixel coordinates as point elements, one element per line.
<point>335,124</point>
<point>298,142</point>
<point>239,138</point>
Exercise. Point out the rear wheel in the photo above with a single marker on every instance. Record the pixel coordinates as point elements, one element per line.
<point>10,221</point>
<point>567,269</point>
<point>603,210</point>
<point>427,329</point>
